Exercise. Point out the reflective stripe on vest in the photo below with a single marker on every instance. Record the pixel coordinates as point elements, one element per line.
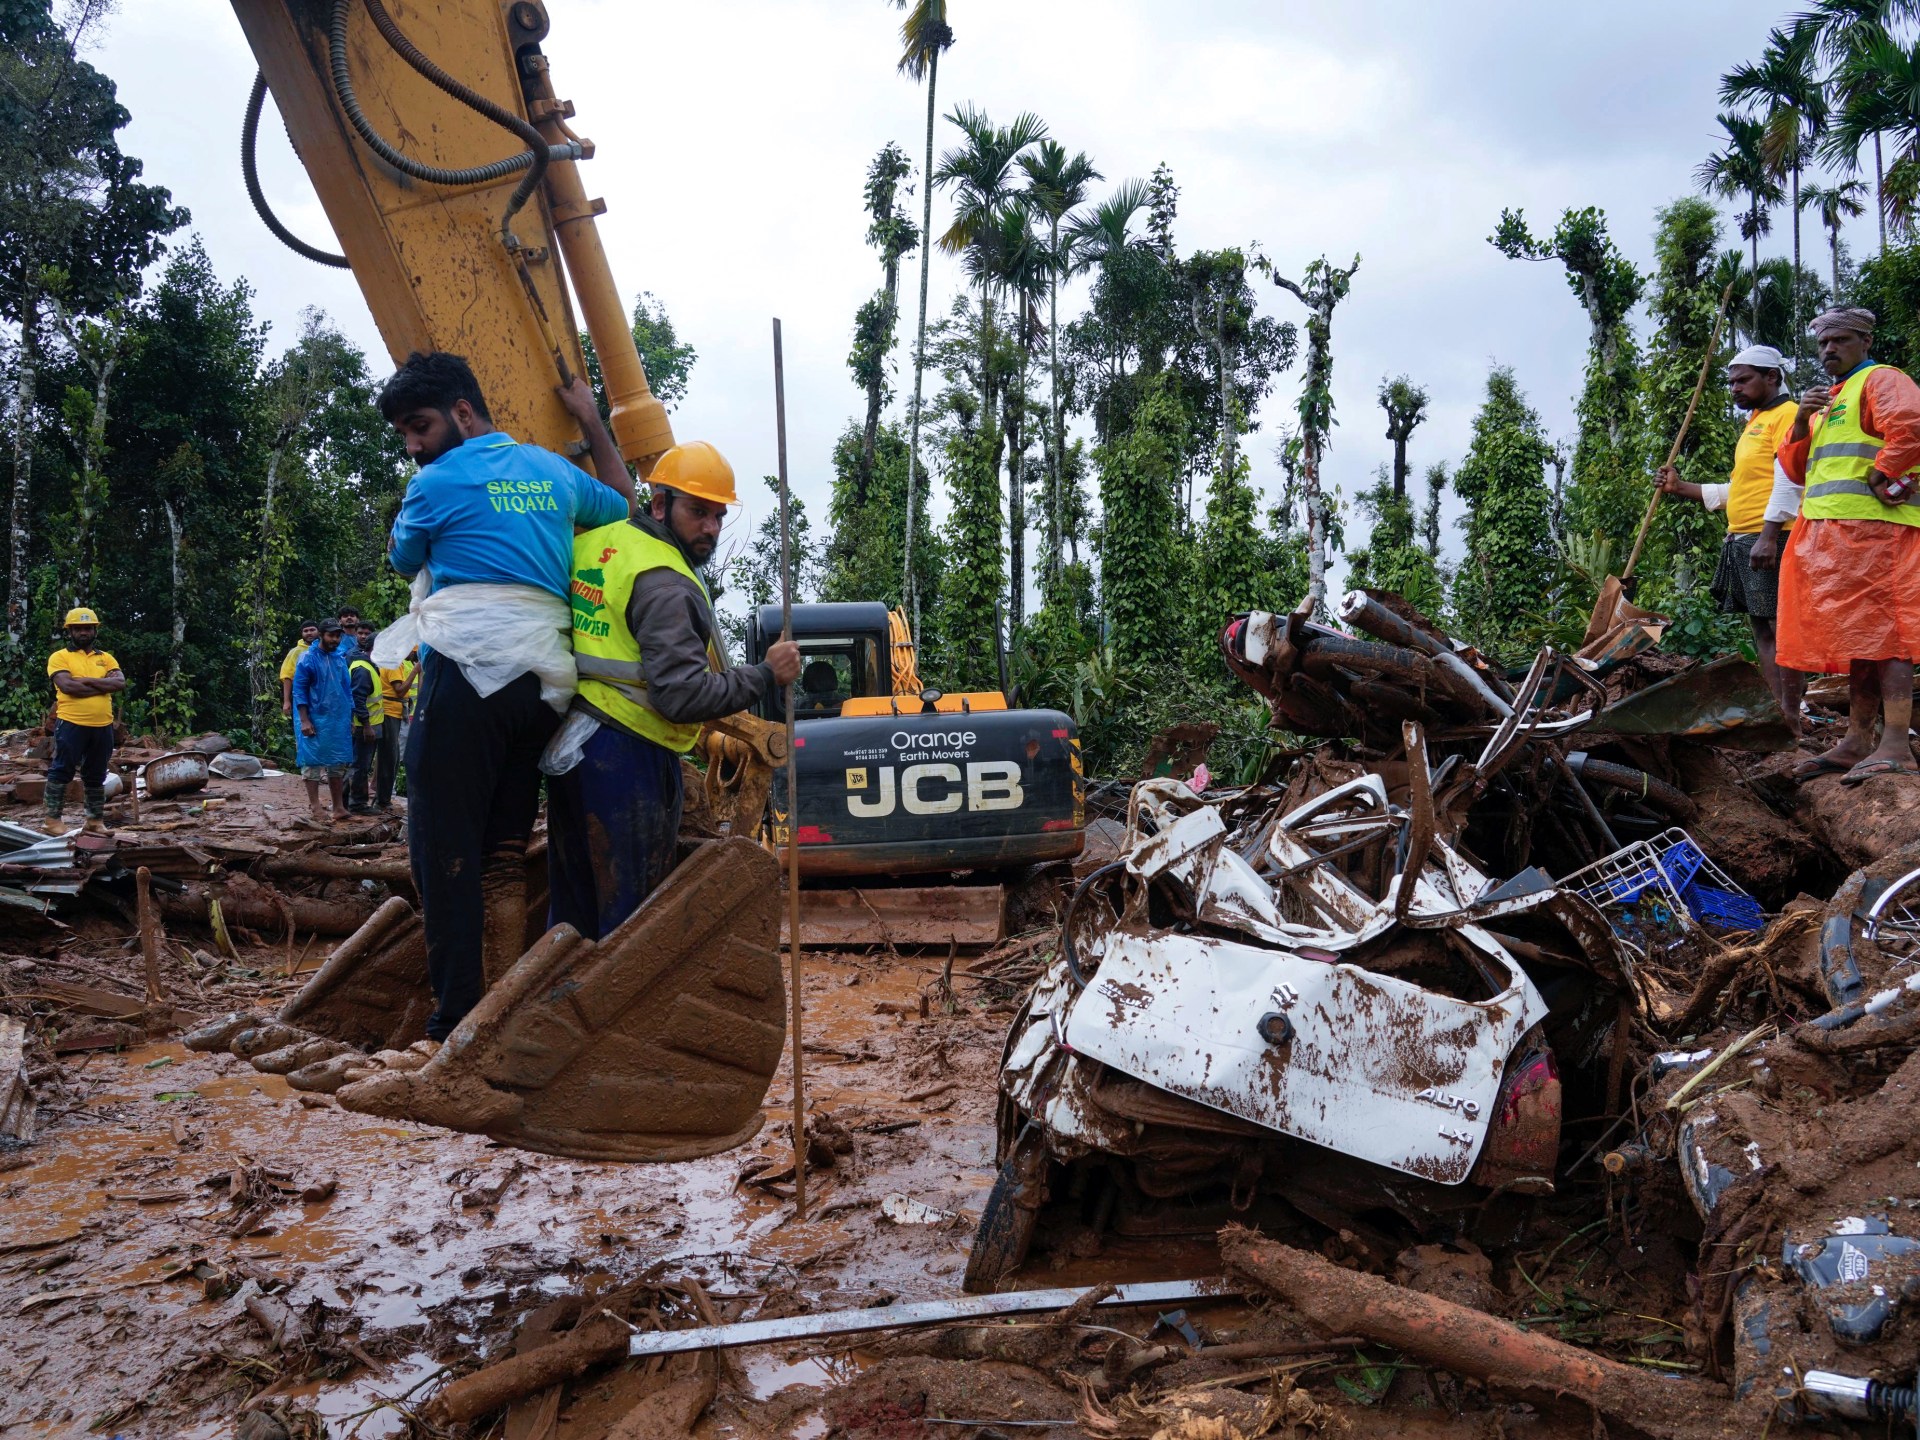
<point>606,563</point>
<point>376,708</point>
<point>1840,463</point>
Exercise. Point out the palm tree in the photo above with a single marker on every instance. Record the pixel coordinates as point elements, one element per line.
<point>1055,186</point>
<point>1007,255</point>
<point>1095,237</point>
<point>1791,103</point>
<point>1885,81</point>
<point>1844,29</point>
<point>1741,170</point>
<point>1842,200</point>
<point>925,33</point>
<point>980,171</point>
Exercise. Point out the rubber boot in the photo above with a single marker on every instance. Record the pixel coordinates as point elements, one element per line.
<point>96,810</point>
<point>55,824</point>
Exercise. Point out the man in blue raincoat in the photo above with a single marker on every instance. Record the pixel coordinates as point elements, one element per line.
<point>323,701</point>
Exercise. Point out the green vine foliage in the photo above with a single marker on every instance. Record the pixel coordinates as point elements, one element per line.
<point>1606,476</point>
<point>862,559</point>
<point>1683,545</point>
<point>1138,560</point>
<point>964,643</point>
<point>1394,558</point>
<point>1507,577</point>
<point>1889,285</point>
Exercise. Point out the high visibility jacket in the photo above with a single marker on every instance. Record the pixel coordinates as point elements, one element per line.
<point>376,712</point>
<point>1840,464</point>
<point>606,562</point>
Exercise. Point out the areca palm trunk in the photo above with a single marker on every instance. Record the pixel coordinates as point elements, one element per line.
<point>1056,499</point>
<point>26,378</point>
<point>1879,202</point>
<point>1753,240</point>
<point>1833,249</point>
<point>1017,500</point>
<point>1793,284</point>
<point>909,592</point>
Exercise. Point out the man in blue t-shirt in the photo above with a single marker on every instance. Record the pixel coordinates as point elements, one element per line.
<point>483,509</point>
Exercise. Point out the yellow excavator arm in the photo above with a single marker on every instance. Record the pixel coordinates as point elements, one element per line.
<point>444,161</point>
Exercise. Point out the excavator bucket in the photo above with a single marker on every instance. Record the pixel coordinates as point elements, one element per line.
<point>918,915</point>
<point>657,1042</point>
<point>372,991</point>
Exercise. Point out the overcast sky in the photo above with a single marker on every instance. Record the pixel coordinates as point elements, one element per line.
<point>1395,130</point>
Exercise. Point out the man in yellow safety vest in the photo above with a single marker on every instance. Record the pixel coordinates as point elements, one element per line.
<point>363,677</point>
<point>1850,577</point>
<point>652,670</point>
<point>1747,579</point>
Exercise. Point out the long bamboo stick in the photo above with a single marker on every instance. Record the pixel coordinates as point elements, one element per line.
<point>793,795</point>
<point>1673,454</point>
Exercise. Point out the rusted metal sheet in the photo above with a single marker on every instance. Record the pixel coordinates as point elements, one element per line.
<point>916,915</point>
<point>1728,700</point>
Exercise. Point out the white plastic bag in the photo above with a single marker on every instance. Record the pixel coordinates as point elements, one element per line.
<point>569,743</point>
<point>494,633</point>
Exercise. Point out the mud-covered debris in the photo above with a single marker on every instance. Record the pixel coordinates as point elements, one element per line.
<point>19,1115</point>
<point>1441,1333</point>
<point>905,1210</point>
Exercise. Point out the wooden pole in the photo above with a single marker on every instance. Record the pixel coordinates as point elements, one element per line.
<point>149,921</point>
<point>793,795</point>
<point>1673,454</point>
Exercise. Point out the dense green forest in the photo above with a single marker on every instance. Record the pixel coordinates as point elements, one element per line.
<point>1092,469</point>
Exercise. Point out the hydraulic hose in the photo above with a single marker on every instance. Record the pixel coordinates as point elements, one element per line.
<point>250,171</point>
<point>534,159</point>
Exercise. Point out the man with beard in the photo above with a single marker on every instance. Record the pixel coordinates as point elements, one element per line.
<point>652,670</point>
<point>1850,577</point>
<point>492,522</point>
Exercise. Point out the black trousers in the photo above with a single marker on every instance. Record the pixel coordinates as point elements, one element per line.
<point>473,791</point>
<point>386,761</point>
<point>83,750</point>
<point>361,775</point>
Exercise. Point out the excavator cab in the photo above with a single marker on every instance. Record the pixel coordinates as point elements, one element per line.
<point>843,649</point>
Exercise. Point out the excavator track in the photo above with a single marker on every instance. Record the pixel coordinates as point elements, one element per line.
<point>655,1043</point>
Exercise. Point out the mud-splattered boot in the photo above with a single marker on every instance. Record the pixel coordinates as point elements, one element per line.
<point>55,824</point>
<point>96,810</point>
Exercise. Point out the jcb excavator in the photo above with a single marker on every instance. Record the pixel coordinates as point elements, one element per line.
<point>442,156</point>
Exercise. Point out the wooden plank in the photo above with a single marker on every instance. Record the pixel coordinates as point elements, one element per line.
<point>19,1116</point>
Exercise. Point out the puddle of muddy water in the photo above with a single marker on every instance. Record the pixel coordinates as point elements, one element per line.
<point>394,1246</point>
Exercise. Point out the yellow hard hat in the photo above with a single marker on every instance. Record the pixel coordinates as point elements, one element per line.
<point>81,615</point>
<point>696,469</point>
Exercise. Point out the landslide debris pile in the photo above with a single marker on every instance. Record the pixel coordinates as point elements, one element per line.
<point>1677,1197</point>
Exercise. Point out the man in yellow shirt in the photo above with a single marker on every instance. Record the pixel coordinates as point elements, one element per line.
<point>1747,581</point>
<point>309,632</point>
<point>85,680</point>
<point>396,686</point>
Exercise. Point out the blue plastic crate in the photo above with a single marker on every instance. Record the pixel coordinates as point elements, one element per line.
<point>1724,909</point>
<point>1682,861</point>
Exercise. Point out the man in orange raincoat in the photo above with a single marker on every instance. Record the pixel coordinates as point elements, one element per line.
<point>1850,577</point>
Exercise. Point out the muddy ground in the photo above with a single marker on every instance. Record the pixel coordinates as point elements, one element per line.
<point>190,1248</point>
